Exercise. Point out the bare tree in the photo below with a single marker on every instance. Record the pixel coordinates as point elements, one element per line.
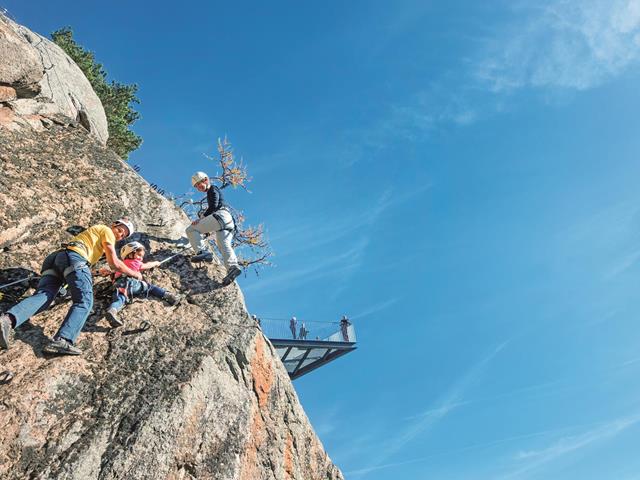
<point>233,173</point>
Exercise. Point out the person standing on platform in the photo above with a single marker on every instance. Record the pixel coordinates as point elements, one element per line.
<point>303,332</point>
<point>293,326</point>
<point>344,328</point>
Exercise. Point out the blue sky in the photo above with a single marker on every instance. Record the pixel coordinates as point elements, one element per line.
<point>459,177</point>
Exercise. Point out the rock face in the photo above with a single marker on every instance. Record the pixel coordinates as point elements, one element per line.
<point>38,82</point>
<point>200,395</point>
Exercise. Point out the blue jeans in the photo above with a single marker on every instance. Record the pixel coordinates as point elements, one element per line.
<point>80,284</point>
<point>135,288</point>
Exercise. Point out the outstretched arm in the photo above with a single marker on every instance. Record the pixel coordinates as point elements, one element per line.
<point>148,265</point>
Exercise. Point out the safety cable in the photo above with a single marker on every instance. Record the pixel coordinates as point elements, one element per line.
<point>17,281</point>
<point>297,319</point>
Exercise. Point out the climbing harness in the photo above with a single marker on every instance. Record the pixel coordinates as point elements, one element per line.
<point>74,243</point>
<point>223,224</point>
<point>124,285</point>
<point>70,269</point>
<point>73,266</point>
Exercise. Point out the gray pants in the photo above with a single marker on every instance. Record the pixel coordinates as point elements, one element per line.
<point>210,224</point>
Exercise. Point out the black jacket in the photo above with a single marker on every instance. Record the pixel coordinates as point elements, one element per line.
<point>214,200</point>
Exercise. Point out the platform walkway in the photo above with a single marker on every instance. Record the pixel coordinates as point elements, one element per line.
<point>310,344</point>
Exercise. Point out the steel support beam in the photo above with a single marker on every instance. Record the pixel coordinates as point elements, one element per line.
<point>304,357</point>
<point>284,357</point>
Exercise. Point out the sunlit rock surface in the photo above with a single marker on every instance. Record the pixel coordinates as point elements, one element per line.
<point>38,81</point>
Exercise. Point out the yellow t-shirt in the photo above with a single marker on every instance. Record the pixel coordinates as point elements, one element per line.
<point>92,239</point>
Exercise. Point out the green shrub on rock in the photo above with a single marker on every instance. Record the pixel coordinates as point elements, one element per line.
<point>117,98</point>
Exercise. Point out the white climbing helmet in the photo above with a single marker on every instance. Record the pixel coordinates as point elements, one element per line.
<point>129,248</point>
<point>127,223</point>
<point>198,177</point>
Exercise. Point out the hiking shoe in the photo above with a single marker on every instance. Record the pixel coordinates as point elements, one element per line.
<point>233,273</point>
<point>203,256</point>
<point>112,318</point>
<point>5,331</point>
<point>61,346</point>
<point>172,298</point>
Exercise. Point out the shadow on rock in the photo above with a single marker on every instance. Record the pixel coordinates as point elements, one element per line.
<point>32,335</point>
<point>195,278</point>
<point>14,283</point>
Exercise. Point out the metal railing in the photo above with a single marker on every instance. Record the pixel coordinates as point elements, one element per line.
<point>282,329</point>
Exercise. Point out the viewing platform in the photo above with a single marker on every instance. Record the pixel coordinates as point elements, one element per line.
<point>305,345</point>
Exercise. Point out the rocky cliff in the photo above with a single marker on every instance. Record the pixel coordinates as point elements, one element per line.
<point>200,395</point>
<point>39,83</point>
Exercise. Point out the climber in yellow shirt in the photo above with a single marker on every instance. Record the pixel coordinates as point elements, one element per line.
<point>70,265</point>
